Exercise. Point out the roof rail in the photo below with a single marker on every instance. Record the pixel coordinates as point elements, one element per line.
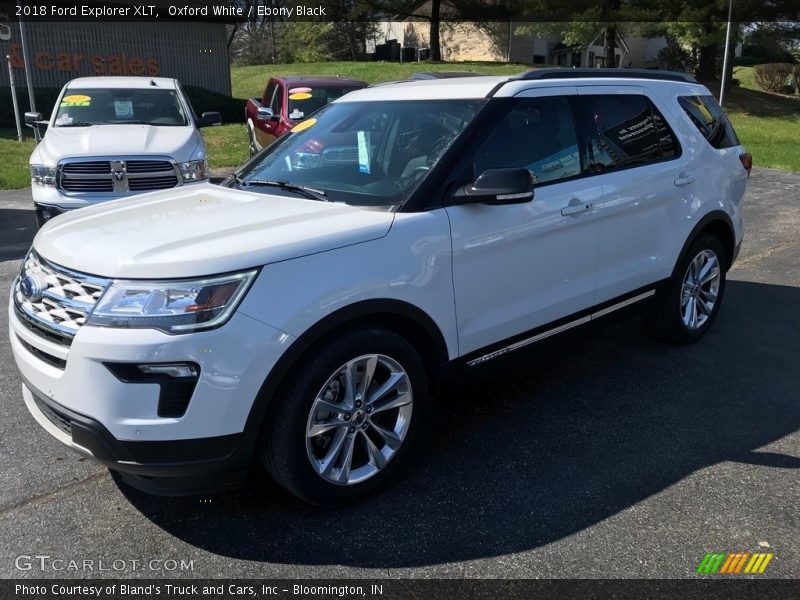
<point>568,73</point>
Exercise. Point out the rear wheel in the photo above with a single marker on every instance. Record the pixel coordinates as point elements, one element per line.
<point>684,312</point>
<point>348,419</point>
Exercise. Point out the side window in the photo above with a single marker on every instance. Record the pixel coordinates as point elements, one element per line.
<point>538,134</point>
<point>709,119</point>
<point>277,100</point>
<point>670,147</point>
<point>266,101</point>
<point>624,131</point>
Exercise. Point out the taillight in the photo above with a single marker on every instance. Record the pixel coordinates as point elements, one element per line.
<point>747,162</point>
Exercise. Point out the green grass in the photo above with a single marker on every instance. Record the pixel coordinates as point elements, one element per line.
<point>767,124</point>
<point>14,171</point>
<point>227,145</point>
<point>774,142</point>
<point>248,82</point>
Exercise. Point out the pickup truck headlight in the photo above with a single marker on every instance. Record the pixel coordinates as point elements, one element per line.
<point>194,170</point>
<point>171,306</point>
<point>43,175</point>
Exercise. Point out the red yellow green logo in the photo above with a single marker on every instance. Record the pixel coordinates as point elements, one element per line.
<point>734,562</point>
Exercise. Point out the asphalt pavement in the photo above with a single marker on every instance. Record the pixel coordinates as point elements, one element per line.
<point>615,456</point>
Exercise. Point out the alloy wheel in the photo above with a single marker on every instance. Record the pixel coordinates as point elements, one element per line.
<point>359,419</point>
<point>700,289</point>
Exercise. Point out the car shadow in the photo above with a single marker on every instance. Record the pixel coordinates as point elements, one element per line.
<point>533,454</point>
<point>19,229</point>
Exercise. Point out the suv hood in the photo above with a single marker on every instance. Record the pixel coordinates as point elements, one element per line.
<point>113,140</point>
<point>200,230</point>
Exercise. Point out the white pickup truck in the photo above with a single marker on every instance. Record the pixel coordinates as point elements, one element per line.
<point>113,137</point>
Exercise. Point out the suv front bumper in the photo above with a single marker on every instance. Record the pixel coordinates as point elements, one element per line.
<point>77,399</point>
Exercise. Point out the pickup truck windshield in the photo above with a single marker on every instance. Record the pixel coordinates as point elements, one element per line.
<point>84,107</point>
<point>304,100</point>
<point>362,153</point>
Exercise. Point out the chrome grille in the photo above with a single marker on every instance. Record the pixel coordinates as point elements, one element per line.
<point>117,175</point>
<point>340,154</point>
<point>59,300</point>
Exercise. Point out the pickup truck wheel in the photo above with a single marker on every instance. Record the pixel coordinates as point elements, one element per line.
<point>684,312</point>
<point>348,419</point>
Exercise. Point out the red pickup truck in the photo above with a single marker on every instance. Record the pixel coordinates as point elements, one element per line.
<point>289,100</point>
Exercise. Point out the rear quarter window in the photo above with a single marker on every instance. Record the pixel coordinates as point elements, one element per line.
<point>710,121</point>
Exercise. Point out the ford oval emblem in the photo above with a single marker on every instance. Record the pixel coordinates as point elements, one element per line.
<point>31,289</point>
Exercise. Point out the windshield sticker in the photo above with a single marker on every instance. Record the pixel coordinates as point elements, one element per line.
<point>363,151</point>
<point>300,90</point>
<point>64,119</point>
<point>304,125</point>
<point>296,114</point>
<point>300,96</point>
<point>123,109</point>
<point>76,100</point>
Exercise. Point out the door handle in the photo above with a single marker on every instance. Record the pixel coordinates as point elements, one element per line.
<point>575,208</point>
<point>684,179</point>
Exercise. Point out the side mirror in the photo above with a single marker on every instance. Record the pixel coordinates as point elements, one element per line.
<point>264,113</point>
<point>35,119</point>
<point>209,118</point>
<point>497,186</point>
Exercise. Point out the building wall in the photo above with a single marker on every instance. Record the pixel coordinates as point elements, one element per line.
<point>194,53</point>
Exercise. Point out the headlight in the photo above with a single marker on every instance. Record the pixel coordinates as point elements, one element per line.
<point>194,170</point>
<point>43,175</point>
<point>171,306</point>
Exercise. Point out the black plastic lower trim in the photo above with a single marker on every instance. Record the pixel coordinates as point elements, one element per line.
<point>177,467</point>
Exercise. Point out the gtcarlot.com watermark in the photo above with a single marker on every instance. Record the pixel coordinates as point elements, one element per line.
<point>45,562</point>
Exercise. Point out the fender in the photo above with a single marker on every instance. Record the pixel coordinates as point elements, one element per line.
<point>714,215</point>
<point>379,310</point>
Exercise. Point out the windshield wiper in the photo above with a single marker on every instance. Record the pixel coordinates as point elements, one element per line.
<point>308,192</point>
<point>77,124</point>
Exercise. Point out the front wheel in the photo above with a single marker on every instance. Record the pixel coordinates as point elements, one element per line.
<point>684,312</point>
<point>348,419</point>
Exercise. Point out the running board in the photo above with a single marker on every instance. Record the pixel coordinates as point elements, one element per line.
<point>560,329</point>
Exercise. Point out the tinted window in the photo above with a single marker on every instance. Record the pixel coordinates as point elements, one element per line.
<point>670,148</point>
<point>624,131</point>
<point>709,119</point>
<point>268,93</point>
<point>538,134</point>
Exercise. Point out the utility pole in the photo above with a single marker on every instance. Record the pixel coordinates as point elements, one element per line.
<point>26,58</point>
<point>14,97</point>
<point>724,79</point>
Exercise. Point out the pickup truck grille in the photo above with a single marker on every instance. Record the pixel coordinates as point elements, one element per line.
<point>340,154</point>
<point>54,300</point>
<point>110,176</point>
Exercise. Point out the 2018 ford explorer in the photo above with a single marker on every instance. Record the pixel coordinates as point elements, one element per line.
<point>303,314</point>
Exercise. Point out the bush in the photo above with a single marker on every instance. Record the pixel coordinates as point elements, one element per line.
<point>772,77</point>
<point>202,100</point>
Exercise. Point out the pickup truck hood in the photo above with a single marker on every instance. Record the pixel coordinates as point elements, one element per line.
<point>199,230</point>
<point>116,140</point>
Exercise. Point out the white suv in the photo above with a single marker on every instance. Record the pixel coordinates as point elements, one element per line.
<point>304,314</point>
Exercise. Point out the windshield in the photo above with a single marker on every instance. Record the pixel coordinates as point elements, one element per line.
<point>363,153</point>
<point>83,107</point>
<point>305,100</point>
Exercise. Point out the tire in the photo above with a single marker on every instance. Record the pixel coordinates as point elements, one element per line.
<point>300,434</point>
<point>681,312</point>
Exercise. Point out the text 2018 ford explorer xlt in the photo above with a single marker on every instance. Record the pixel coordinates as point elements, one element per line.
<point>303,314</point>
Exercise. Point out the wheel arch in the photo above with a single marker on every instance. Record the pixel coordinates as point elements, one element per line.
<point>719,224</point>
<point>406,319</point>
